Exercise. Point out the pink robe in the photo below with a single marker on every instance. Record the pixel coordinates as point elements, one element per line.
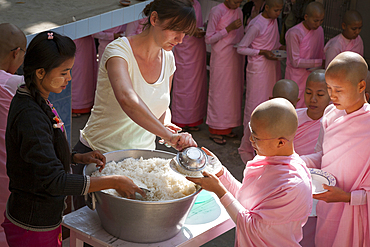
<point>8,87</point>
<point>135,27</point>
<point>189,93</point>
<point>273,202</point>
<point>262,74</point>
<point>305,50</point>
<point>340,44</point>
<point>84,75</point>
<point>107,36</point>
<point>226,69</point>
<point>343,150</point>
<point>307,133</point>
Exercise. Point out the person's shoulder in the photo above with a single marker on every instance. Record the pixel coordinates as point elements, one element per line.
<point>168,55</point>
<point>216,9</point>
<point>329,109</point>
<point>25,102</point>
<point>295,30</point>
<point>25,109</point>
<point>117,48</point>
<point>118,44</point>
<point>320,30</point>
<point>359,39</point>
<point>334,39</point>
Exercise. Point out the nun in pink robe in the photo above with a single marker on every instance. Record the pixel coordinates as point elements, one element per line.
<point>343,150</point>
<point>189,86</point>
<point>135,27</point>
<point>307,133</point>
<point>304,143</point>
<point>261,73</point>
<point>226,71</point>
<point>8,87</point>
<point>273,202</point>
<point>305,50</point>
<point>84,75</point>
<point>107,36</point>
<point>339,44</point>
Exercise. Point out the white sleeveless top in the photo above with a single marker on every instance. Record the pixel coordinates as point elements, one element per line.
<point>109,128</point>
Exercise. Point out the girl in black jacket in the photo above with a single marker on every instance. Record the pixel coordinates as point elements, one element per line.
<point>38,154</point>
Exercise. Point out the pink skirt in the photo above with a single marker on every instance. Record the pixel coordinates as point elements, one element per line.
<point>17,236</point>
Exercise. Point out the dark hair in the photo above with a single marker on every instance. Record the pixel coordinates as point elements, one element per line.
<point>180,13</point>
<point>49,54</point>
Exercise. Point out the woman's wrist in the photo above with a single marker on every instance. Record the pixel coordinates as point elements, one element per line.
<point>73,157</point>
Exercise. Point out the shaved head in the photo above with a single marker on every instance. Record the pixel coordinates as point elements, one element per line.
<point>277,118</point>
<point>314,8</point>
<point>286,89</point>
<point>350,65</point>
<point>352,16</point>
<point>11,37</point>
<point>273,3</point>
<point>317,76</point>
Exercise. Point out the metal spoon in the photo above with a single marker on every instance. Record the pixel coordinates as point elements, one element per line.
<point>139,196</point>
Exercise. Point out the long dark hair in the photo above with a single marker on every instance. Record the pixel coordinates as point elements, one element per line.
<point>49,54</point>
<point>180,13</point>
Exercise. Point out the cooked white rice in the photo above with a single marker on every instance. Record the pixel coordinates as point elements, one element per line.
<point>154,174</point>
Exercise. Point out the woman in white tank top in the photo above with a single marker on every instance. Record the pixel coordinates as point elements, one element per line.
<point>134,83</point>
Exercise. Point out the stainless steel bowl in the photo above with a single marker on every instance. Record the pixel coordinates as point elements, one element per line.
<point>140,221</point>
<point>192,159</point>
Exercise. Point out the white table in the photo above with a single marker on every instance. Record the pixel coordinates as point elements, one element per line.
<point>206,221</point>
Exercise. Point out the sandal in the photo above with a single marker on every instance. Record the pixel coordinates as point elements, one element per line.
<point>192,129</point>
<point>220,140</point>
<point>231,135</point>
<point>125,2</point>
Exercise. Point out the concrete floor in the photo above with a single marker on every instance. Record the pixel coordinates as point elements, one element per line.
<point>228,155</point>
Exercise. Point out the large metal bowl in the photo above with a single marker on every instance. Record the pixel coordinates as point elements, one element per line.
<point>140,221</point>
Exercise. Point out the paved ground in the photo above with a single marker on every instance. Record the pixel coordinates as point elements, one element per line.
<point>228,154</point>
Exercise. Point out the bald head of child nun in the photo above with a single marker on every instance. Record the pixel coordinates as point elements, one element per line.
<point>345,79</point>
<point>273,126</point>
<point>314,15</point>
<point>273,9</point>
<point>286,89</point>
<point>316,96</point>
<point>352,24</point>
<point>13,44</point>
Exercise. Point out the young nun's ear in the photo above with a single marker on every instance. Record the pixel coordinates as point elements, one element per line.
<point>361,86</point>
<point>282,142</point>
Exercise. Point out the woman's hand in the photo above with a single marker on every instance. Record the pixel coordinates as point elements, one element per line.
<point>334,194</point>
<point>211,183</point>
<point>91,157</point>
<point>181,141</point>
<point>127,188</point>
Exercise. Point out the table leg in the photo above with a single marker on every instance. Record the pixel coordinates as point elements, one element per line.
<point>74,241</point>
